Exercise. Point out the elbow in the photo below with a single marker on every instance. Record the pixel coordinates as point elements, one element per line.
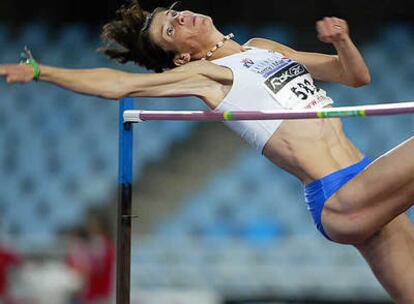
<point>361,80</point>
<point>364,80</point>
<point>117,91</point>
<point>115,98</point>
<point>117,95</point>
<point>112,95</point>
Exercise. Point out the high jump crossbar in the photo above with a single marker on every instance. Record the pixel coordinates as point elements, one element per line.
<point>341,112</point>
<point>128,116</point>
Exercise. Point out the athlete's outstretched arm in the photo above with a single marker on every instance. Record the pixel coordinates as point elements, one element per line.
<point>190,79</point>
<point>347,67</point>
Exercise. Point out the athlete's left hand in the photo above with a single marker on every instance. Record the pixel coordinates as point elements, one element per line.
<point>16,73</point>
<point>332,30</point>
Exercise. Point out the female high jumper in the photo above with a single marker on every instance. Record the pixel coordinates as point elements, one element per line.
<point>352,200</point>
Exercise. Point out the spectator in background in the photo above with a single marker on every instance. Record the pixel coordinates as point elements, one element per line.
<point>8,260</point>
<point>78,258</point>
<point>45,279</point>
<point>99,284</point>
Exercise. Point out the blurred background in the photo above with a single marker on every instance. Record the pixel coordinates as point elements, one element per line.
<point>217,223</point>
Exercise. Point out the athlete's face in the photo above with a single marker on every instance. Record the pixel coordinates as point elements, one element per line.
<point>181,31</point>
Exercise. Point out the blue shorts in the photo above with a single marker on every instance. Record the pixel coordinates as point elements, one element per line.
<point>319,191</point>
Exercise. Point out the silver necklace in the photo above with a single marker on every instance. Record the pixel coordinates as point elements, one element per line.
<point>218,45</point>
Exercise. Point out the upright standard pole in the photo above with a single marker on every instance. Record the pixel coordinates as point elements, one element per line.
<point>123,269</point>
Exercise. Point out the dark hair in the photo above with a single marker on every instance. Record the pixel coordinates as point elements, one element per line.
<point>127,39</point>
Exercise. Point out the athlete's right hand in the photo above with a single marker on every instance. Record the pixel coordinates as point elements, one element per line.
<point>332,30</point>
<point>17,73</point>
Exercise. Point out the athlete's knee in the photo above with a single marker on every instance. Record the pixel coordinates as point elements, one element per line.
<point>345,227</point>
<point>349,235</point>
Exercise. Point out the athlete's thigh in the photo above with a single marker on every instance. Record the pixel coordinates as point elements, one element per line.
<point>369,201</point>
<point>385,187</point>
<point>390,254</point>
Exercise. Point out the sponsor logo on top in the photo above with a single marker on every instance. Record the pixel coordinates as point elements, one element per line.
<point>247,62</point>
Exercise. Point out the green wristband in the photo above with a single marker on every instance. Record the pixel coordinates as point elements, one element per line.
<point>36,69</point>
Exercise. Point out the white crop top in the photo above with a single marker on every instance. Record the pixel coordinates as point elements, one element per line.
<point>266,80</point>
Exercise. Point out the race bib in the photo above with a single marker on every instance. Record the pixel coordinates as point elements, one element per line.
<point>293,87</point>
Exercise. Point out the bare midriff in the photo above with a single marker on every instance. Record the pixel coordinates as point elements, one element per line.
<point>311,149</point>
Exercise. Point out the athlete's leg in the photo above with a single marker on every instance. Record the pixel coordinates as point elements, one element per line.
<point>390,254</point>
<point>373,198</point>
